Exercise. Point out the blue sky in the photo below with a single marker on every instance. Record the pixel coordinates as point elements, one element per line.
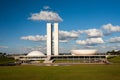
<point>85,24</point>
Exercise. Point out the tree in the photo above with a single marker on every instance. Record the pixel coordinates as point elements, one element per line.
<point>2,54</point>
<point>113,52</point>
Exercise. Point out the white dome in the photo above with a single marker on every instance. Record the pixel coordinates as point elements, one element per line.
<point>35,54</point>
<point>84,52</point>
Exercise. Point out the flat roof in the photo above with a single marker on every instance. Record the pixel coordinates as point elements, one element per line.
<point>75,55</point>
<point>65,56</point>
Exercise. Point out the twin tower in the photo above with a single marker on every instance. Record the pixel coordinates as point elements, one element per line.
<point>52,39</point>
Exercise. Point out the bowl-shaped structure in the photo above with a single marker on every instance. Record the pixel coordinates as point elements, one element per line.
<point>35,54</point>
<point>84,52</point>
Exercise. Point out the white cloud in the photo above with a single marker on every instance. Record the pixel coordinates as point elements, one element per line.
<point>65,36</point>
<point>111,28</point>
<point>46,7</point>
<point>89,47</point>
<point>80,31</point>
<point>63,41</point>
<point>83,42</point>
<point>34,38</point>
<point>115,40</point>
<point>3,46</point>
<point>103,46</point>
<point>46,16</point>
<point>33,48</point>
<point>93,33</point>
<point>90,41</point>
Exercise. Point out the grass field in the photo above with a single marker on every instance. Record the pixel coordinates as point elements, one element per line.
<point>73,72</point>
<point>115,59</point>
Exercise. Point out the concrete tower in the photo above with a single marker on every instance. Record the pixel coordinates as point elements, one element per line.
<point>56,39</point>
<point>49,39</point>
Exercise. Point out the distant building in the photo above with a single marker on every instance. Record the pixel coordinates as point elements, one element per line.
<point>84,52</point>
<point>79,56</point>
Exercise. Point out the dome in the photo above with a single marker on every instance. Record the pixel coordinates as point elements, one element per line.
<point>84,52</point>
<point>35,54</point>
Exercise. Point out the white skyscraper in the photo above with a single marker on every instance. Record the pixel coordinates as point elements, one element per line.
<point>49,39</point>
<point>56,39</point>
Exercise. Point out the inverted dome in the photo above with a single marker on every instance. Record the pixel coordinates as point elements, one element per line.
<point>84,52</point>
<point>35,54</point>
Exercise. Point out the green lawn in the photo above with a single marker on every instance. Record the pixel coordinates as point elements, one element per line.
<point>115,59</point>
<point>74,72</point>
<point>5,59</point>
